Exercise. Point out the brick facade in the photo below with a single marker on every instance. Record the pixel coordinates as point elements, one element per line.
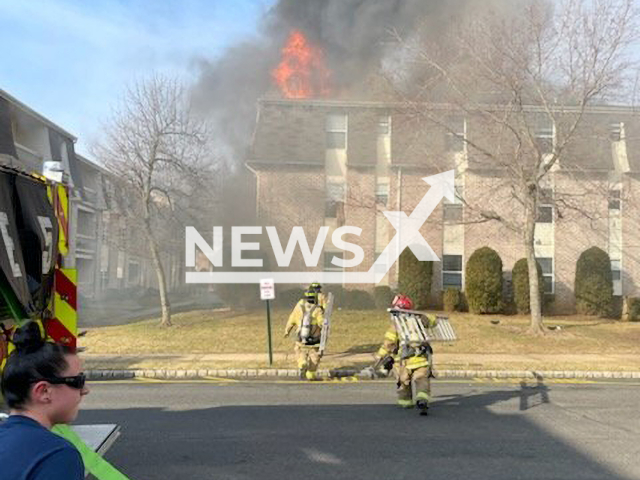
<point>288,155</point>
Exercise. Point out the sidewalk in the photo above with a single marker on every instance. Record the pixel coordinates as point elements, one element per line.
<point>447,365</point>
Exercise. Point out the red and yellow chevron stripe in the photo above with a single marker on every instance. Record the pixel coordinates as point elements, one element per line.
<point>59,198</point>
<point>63,327</point>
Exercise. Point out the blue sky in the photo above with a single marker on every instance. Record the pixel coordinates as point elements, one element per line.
<point>70,59</point>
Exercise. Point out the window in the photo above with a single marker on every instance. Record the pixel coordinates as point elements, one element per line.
<point>546,265</point>
<point>616,276</point>
<point>334,205</point>
<point>382,194</point>
<point>384,125</point>
<point>452,211</point>
<point>614,199</point>
<point>544,135</point>
<point>456,135</point>
<point>133,273</point>
<point>616,130</point>
<point>452,271</point>
<point>545,206</point>
<point>336,131</point>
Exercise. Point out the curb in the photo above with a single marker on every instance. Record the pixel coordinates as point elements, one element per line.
<point>168,374</point>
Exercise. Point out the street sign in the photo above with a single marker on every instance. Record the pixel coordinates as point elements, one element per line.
<point>267,289</point>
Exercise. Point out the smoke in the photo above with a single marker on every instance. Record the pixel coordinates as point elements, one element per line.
<point>353,34</point>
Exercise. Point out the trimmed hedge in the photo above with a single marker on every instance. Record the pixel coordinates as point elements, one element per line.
<point>520,280</point>
<point>634,309</point>
<point>415,278</point>
<point>383,296</point>
<point>484,281</point>
<point>451,300</point>
<point>358,300</point>
<point>593,283</point>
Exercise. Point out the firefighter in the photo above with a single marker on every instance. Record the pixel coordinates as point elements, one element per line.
<point>307,318</point>
<point>413,361</point>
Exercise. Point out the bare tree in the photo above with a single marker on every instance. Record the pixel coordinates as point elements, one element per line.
<point>529,82</point>
<point>156,149</point>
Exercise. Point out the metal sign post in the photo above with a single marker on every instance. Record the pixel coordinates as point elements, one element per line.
<point>268,292</point>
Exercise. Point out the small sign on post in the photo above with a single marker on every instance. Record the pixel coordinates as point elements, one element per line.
<point>268,292</point>
<point>267,289</point>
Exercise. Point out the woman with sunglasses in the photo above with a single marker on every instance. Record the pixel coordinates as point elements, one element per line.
<point>42,384</point>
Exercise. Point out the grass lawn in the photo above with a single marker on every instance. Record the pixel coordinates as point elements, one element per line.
<point>204,332</point>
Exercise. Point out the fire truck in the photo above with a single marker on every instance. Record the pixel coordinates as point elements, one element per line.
<point>36,283</point>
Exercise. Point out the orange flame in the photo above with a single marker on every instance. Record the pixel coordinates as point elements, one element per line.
<point>301,72</point>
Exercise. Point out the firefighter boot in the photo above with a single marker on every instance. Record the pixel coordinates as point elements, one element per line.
<point>423,407</point>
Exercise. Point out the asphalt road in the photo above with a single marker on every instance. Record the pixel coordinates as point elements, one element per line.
<point>268,431</point>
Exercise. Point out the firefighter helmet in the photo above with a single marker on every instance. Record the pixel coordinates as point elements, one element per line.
<point>316,287</point>
<point>403,302</point>
<point>311,296</point>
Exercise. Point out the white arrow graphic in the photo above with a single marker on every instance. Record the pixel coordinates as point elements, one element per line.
<point>408,227</point>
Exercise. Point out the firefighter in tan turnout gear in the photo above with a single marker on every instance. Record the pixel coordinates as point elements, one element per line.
<point>307,318</point>
<point>406,341</point>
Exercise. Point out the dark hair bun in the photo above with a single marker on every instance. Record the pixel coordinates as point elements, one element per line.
<point>28,339</point>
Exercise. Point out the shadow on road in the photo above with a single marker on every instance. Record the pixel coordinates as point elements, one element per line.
<point>462,438</point>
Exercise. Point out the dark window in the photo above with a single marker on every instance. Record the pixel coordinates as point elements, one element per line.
<point>616,274</point>
<point>336,131</point>
<point>545,214</point>
<point>455,136</point>
<point>614,199</point>
<point>545,206</point>
<point>334,205</point>
<point>451,280</point>
<point>455,142</point>
<point>615,132</point>
<point>382,194</point>
<point>452,212</point>
<point>545,144</point>
<point>452,271</point>
<point>546,265</point>
<point>452,262</point>
<point>384,126</point>
<point>337,140</point>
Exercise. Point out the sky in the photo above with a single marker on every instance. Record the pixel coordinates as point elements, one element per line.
<point>70,60</point>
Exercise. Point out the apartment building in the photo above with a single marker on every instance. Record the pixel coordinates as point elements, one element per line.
<point>331,163</point>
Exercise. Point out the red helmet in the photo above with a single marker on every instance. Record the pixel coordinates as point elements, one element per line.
<point>403,302</point>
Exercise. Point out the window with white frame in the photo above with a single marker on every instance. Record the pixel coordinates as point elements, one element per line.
<point>334,205</point>
<point>456,134</point>
<point>382,194</point>
<point>452,211</point>
<point>545,135</point>
<point>452,272</point>
<point>616,276</point>
<point>336,131</point>
<point>546,265</point>
<point>545,206</point>
<point>616,131</point>
<point>384,125</point>
<point>614,200</point>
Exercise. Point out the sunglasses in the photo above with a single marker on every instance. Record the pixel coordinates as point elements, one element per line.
<point>76,381</point>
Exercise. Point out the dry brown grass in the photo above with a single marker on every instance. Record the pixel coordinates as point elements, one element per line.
<point>206,332</point>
